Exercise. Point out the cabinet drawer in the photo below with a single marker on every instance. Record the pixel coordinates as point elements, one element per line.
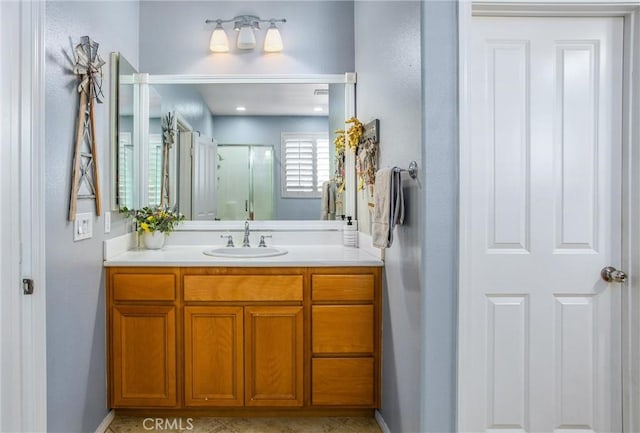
<point>342,381</point>
<point>342,328</point>
<point>243,287</point>
<point>144,287</point>
<point>342,287</point>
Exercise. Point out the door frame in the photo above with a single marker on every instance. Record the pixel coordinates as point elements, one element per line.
<point>630,12</point>
<point>23,251</point>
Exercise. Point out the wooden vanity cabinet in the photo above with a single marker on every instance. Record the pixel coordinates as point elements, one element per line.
<point>209,337</point>
<point>249,354</point>
<point>142,318</point>
<point>345,337</point>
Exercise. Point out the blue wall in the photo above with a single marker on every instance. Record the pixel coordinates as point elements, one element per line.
<point>440,226</point>
<point>388,62</point>
<point>186,99</point>
<point>76,367</point>
<point>317,37</point>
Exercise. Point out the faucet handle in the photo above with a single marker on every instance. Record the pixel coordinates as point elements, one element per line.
<point>229,240</point>
<point>262,242</point>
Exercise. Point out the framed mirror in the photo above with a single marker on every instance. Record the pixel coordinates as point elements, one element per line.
<point>229,164</point>
<point>124,137</point>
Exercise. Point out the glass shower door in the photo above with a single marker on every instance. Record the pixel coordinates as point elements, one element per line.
<point>245,182</point>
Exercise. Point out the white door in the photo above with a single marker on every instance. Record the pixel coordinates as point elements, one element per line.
<point>23,376</point>
<point>204,178</point>
<point>540,343</point>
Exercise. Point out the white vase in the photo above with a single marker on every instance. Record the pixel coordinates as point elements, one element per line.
<point>153,240</point>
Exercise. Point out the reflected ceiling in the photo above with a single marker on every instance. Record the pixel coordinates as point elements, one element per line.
<point>266,100</point>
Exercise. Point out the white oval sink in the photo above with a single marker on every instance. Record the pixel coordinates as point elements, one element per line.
<point>245,252</point>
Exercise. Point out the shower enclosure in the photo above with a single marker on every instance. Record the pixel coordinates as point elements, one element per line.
<point>245,182</point>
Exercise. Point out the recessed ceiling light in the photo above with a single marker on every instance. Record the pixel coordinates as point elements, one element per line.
<point>241,108</point>
<point>317,109</point>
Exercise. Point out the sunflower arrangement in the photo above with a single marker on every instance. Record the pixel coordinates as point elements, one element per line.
<point>154,219</point>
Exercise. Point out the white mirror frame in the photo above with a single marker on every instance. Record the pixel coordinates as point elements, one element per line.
<point>141,103</point>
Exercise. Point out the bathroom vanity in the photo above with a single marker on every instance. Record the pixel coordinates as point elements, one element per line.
<point>297,333</point>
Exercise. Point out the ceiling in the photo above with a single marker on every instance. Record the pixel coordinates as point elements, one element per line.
<point>265,99</point>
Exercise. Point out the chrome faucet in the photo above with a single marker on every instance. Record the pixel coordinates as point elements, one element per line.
<point>245,241</point>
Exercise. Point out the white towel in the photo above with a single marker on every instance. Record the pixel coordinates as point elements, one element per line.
<point>388,207</point>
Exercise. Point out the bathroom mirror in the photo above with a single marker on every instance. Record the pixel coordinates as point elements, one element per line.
<point>246,178</point>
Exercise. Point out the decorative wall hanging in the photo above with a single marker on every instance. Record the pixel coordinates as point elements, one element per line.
<point>338,176</point>
<point>168,140</point>
<point>367,155</point>
<point>85,183</point>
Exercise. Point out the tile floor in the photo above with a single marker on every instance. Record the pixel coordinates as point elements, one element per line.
<point>127,424</point>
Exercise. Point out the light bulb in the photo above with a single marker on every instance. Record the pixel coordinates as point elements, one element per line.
<point>273,40</point>
<point>219,42</point>
<point>246,38</point>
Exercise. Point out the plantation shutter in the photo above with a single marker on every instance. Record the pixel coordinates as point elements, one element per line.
<point>155,168</point>
<point>322,162</point>
<point>305,164</point>
<point>125,167</point>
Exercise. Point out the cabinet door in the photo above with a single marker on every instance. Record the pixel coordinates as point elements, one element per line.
<point>213,356</point>
<point>274,356</point>
<point>144,356</point>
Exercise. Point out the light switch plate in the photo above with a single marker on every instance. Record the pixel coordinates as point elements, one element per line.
<point>107,222</point>
<point>83,226</point>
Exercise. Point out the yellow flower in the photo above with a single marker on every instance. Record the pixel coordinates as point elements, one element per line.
<point>145,227</point>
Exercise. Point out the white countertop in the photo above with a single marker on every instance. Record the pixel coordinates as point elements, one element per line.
<point>297,255</point>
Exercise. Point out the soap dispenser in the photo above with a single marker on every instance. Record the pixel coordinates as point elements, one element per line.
<point>350,234</point>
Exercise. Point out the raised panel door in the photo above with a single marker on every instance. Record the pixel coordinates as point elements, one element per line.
<point>144,356</point>
<point>213,356</point>
<point>540,332</point>
<point>274,356</point>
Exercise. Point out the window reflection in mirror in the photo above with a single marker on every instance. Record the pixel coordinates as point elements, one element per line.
<point>124,146</point>
<point>155,147</point>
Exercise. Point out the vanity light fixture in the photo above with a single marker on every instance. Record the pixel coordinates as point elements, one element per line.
<point>241,108</point>
<point>272,40</point>
<point>219,42</point>
<point>246,25</point>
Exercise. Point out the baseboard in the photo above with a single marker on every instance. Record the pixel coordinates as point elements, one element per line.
<point>104,425</point>
<point>245,412</point>
<point>383,425</point>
